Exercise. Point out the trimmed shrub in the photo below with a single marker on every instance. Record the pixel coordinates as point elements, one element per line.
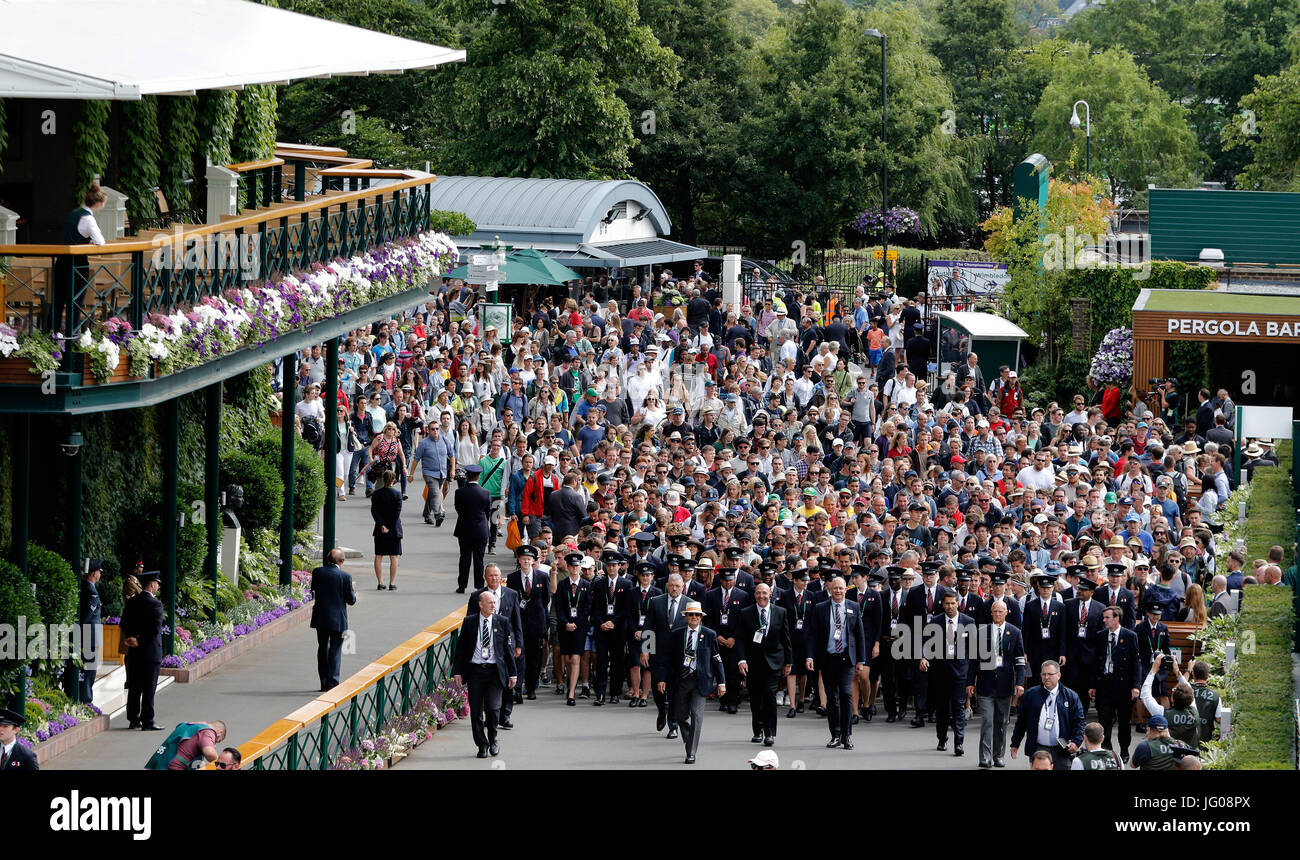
<point>16,602</point>
<point>308,471</point>
<point>263,489</point>
<point>144,535</point>
<point>56,585</point>
<point>1263,729</point>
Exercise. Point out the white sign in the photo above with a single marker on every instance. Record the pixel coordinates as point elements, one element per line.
<point>1266,422</point>
<point>966,279</point>
<point>1234,328</point>
<point>482,269</point>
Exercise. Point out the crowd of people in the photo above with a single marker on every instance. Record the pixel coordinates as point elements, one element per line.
<point>774,500</point>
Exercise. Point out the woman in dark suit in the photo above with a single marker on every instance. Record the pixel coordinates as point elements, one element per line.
<point>572,611</point>
<point>386,510</point>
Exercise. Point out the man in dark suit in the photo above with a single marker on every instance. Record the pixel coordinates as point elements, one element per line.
<point>92,637</point>
<point>486,661</point>
<point>332,594</point>
<point>923,601</point>
<point>948,671</point>
<point>1113,593</point>
<point>534,590</point>
<point>472,531</point>
<point>765,637</point>
<point>723,606</point>
<point>732,556</point>
<point>1082,623</point>
<point>893,673</point>
<point>868,600</point>
<point>609,611</point>
<point>13,755</point>
<point>969,601</point>
<point>1044,619</point>
<point>639,599</point>
<point>837,647</point>
<point>566,508</point>
<point>690,671</point>
<point>665,617</point>
<point>507,603</point>
<point>142,623</point>
<point>1050,718</point>
<point>995,679</point>
<point>1115,679</point>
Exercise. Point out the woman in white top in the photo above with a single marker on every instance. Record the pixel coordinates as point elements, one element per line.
<point>467,447</point>
<point>79,228</point>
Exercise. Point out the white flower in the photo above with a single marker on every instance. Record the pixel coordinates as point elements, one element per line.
<point>85,340</point>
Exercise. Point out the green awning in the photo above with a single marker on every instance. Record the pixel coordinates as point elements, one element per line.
<point>528,266</point>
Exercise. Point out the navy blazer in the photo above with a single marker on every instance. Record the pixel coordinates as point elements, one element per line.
<point>332,594</point>
<point>817,632</point>
<point>142,617</point>
<point>1069,713</point>
<point>1037,648</point>
<point>508,609</point>
<point>774,651</point>
<point>600,601</point>
<point>21,758</point>
<point>1072,646</point>
<point>1127,674</point>
<point>472,503</point>
<point>985,613</point>
<point>708,660</point>
<point>959,668</point>
<point>738,599</point>
<point>535,609</point>
<point>658,624</point>
<point>565,602</point>
<point>914,607</point>
<point>502,654</point>
<point>386,510</point>
<point>1125,600</point>
<point>873,614</point>
<point>989,680</point>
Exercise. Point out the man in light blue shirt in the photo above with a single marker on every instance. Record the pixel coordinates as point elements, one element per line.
<point>436,457</point>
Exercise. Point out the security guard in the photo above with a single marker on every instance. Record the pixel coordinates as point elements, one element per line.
<point>13,755</point>
<point>1043,618</point>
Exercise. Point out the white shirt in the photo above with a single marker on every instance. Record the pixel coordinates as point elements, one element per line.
<point>89,228</point>
<point>478,647</point>
<point>1048,738</point>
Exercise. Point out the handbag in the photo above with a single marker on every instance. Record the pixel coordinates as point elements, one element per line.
<point>513,539</point>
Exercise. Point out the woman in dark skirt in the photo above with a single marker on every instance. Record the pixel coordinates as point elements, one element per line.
<point>572,608</point>
<point>386,510</point>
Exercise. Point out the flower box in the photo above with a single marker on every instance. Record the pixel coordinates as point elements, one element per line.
<point>18,371</point>
<point>122,374</point>
<point>111,652</point>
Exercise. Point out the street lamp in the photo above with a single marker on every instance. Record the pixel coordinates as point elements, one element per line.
<point>1074,124</point>
<point>884,142</point>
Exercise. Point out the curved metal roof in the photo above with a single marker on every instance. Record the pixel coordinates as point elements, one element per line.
<point>560,207</point>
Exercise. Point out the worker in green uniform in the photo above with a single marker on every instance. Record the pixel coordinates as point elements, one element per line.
<point>1161,752</point>
<point>1208,703</point>
<point>1094,756</point>
<point>1183,719</point>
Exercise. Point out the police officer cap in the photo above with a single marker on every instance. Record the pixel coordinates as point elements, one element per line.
<point>526,549</point>
<point>987,561</point>
<point>1086,584</point>
<point>473,469</point>
<point>963,576</point>
<point>96,564</point>
<point>645,567</point>
<point>148,576</point>
<point>801,573</point>
<point>825,561</point>
<point>679,539</point>
<point>573,558</point>
<point>644,537</point>
<point>726,574</point>
<point>1077,570</point>
<point>1154,607</point>
<point>930,566</point>
<point>860,569</point>
<point>769,567</point>
<point>8,717</point>
<point>916,506</point>
<point>675,559</point>
<point>687,563</point>
<point>1116,568</point>
<point>896,571</point>
<point>1042,578</point>
<point>735,552</point>
<point>612,557</point>
<point>997,578</point>
<point>875,576</point>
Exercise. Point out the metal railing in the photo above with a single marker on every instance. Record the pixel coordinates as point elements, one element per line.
<point>315,735</point>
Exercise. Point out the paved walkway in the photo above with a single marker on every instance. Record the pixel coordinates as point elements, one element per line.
<point>262,685</point>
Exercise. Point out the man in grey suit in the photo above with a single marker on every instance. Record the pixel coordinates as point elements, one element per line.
<point>332,594</point>
<point>690,666</point>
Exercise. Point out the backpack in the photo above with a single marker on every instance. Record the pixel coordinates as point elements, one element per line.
<point>311,433</point>
<point>166,751</point>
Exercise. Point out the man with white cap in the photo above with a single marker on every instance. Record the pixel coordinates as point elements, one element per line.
<point>690,671</point>
<point>766,760</point>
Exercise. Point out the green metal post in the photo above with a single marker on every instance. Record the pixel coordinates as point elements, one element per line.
<point>289,376</point>
<point>73,551</point>
<point>430,673</point>
<point>21,516</point>
<point>354,720</point>
<point>406,686</point>
<point>299,180</point>
<point>380,699</point>
<point>212,487</point>
<point>331,442</point>
<point>323,741</point>
<point>171,457</point>
<point>292,758</point>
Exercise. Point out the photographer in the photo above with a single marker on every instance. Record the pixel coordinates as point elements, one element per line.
<point>1159,751</point>
<point>1167,389</point>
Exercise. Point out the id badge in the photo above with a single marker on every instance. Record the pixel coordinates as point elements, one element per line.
<point>893,625</point>
<point>723,618</point>
<point>686,661</point>
<point>486,655</point>
<point>997,663</point>
<point>1083,630</point>
<point>798,624</point>
<point>758,637</point>
<point>837,635</point>
<point>641,621</point>
<point>1046,633</point>
<point>573,612</point>
<point>609,610</point>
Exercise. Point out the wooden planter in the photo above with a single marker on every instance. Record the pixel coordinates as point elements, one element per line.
<point>18,371</point>
<point>122,374</point>
<point>112,643</point>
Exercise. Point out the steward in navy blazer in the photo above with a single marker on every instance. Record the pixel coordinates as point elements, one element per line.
<point>332,594</point>
<point>817,627</point>
<point>1069,713</point>
<point>873,613</point>
<point>989,680</point>
<point>507,608</point>
<point>502,654</point>
<point>708,661</point>
<point>472,503</point>
<point>535,609</point>
<point>1124,658</point>
<point>1124,599</point>
<point>600,601</point>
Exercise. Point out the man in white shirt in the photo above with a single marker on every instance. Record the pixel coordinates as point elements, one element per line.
<point>1039,475</point>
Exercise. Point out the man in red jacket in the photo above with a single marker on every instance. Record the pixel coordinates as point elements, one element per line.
<point>538,488</point>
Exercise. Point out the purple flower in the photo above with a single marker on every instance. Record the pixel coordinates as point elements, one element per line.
<point>42,735</point>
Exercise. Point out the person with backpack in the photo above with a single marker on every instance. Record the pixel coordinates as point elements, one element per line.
<point>186,743</point>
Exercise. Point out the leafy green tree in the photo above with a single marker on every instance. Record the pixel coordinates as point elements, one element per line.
<point>1140,136</point>
<point>1272,134</point>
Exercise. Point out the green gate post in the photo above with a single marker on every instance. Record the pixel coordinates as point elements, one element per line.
<point>212,487</point>
<point>1236,455</point>
<point>21,516</point>
<point>323,736</point>
<point>299,180</point>
<point>430,670</point>
<point>289,376</point>
<point>171,454</point>
<point>331,398</point>
<point>354,721</point>
<point>73,551</point>
<point>406,686</point>
<point>292,757</point>
<point>379,704</point>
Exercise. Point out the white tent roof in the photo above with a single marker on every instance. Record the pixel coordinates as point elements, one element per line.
<point>981,325</point>
<point>125,49</point>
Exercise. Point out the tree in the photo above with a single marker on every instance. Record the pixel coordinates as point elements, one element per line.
<point>1140,136</point>
<point>1272,137</point>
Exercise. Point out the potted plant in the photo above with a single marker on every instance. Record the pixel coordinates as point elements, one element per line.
<point>29,356</point>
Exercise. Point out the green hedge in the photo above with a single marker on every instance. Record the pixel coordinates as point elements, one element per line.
<point>263,489</point>
<point>1270,516</point>
<point>16,601</point>
<point>1263,732</point>
<point>1112,292</point>
<point>308,471</point>
<point>56,585</point>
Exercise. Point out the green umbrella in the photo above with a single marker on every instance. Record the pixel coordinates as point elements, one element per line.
<point>527,266</point>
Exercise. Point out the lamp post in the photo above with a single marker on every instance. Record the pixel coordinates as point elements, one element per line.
<point>1087,123</point>
<point>884,142</point>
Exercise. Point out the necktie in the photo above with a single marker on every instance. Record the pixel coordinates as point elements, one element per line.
<point>4,760</point>
<point>672,611</point>
<point>1110,646</point>
<point>1044,612</point>
<point>762,619</point>
<point>611,589</point>
<point>1112,597</point>
<point>929,601</point>
<point>894,610</point>
<point>484,632</point>
<point>999,640</point>
<point>1083,612</point>
<point>951,637</point>
<point>528,584</point>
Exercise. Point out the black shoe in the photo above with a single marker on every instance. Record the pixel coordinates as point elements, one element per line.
<point>661,721</point>
<point>482,752</point>
<point>690,759</point>
<point>492,548</point>
<point>460,590</point>
<point>495,748</point>
<point>833,742</point>
<point>392,587</point>
<point>672,733</point>
<point>369,492</point>
<point>598,702</point>
<point>847,744</point>
<point>943,746</point>
<point>999,763</point>
<point>152,727</point>
<point>641,703</point>
<point>957,750</point>
<point>381,587</point>
<point>570,702</point>
<point>559,689</point>
<point>853,720</point>
<point>428,521</point>
<point>584,693</point>
<point>790,714</point>
<point>768,741</point>
<point>756,739</point>
<point>519,696</point>
<point>986,764</point>
<point>821,712</point>
<point>613,700</point>
<point>871,712</point>
<point>530,695</point>
<point>505,724</point>
<point>633,702</point>
<point>891,719</point>
<point>438,520</point>
<point>134,724</point>
<point>799,708</point>
<point>918,722</point>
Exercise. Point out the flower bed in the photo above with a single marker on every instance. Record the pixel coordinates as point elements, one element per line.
<point>244,317</point>
<point>46,720</point>
<point>448,702</point>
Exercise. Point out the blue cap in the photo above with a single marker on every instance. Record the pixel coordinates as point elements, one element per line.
<point>647,537</point>
<point>1157,722</point>
<point>1126,500</point>
<point>473,469</point>
<point>1132,518</point>
<point>1053,567</point>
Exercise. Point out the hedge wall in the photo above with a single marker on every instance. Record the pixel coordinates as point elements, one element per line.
<point>1263,732</point>
<point>1270,517</point>
<point>1112,292</point>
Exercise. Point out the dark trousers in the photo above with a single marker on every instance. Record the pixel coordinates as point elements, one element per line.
<point>893,681</point>
<point>920,688</point>
<point>610,662</point>
<point>689,707</point>
<point>1115,705</point>
<point>1077,675</point>
<point>87,685</point>
<point>664,701</point>
<point>837,676</point>
<point>762,683</point>
<point>534,651</point>
<point>731,674</point>
<point>948,695</point>
<point>329,657</point>
<point>470,550</point>
<point>484,702</point>
<point>141,682</point>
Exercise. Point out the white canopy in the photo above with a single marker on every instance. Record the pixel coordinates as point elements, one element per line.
<point>983,326</point>
<point>125,49</point>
